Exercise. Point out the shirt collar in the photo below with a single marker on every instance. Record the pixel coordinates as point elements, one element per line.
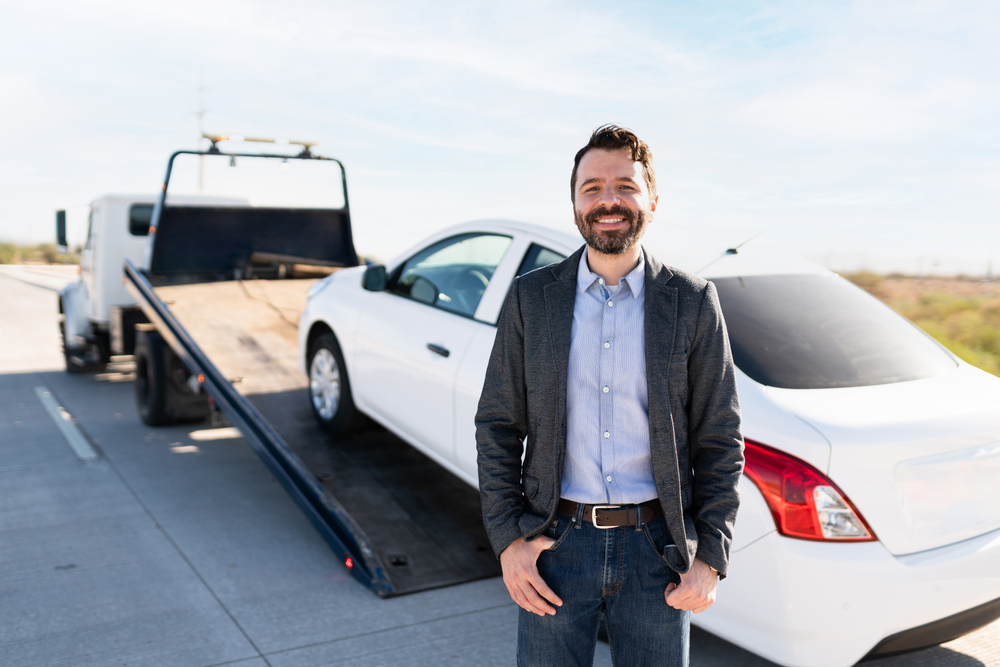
<point>635,279</point>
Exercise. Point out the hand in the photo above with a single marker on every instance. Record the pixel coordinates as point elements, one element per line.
<point>520,574</point>
<point>697,590</point>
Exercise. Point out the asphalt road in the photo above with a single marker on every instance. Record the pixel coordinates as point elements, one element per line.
<point>174,549</point>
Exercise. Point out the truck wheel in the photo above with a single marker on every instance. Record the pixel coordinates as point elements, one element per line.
<point>72,361</point>
<point>150,378</point>
<point>329,388</point>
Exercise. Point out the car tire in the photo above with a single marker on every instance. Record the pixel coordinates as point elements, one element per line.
<point>150,379</point>
<point>330,389</point>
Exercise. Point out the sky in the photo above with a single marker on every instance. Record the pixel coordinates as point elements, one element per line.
<point>864,135</point>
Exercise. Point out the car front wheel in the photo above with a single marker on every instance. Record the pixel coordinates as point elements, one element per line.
<point>329,388</point>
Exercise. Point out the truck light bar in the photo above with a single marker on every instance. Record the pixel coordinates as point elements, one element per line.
<point>215,138</point>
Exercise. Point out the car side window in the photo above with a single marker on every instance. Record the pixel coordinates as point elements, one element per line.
<point>537,257</point>
<point>452,274</point>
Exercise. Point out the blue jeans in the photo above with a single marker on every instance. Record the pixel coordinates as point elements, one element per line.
<point>618,574</point>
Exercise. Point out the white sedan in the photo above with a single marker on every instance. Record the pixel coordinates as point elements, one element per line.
<point>870,515</point>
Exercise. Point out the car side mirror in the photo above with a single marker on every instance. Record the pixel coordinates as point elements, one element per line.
<point>374,278</point>
<point>61,231</point>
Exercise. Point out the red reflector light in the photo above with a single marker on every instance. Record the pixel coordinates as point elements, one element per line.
<point>201,378</point>
<point>804,502</point>
<point>349,562</point>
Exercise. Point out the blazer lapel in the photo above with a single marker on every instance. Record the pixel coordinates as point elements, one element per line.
<point>661,316</point>
<point>560,297</point>
<point>660,330</point>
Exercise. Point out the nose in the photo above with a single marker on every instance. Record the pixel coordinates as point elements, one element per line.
<point>609,196</point>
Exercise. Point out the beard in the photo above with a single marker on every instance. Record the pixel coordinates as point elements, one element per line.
<point>613,242</point>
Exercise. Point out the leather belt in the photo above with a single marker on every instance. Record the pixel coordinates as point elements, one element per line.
<point>613,516</point>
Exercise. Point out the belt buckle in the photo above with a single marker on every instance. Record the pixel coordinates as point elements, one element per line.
<point>593,515</point>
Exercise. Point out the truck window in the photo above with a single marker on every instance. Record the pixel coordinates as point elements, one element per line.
<point>820,331</point>
<point>139,217</point>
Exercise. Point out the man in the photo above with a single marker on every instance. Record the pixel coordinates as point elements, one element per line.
<point>618,372</point>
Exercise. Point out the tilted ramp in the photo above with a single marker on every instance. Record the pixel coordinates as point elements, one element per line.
<point>398,520</point>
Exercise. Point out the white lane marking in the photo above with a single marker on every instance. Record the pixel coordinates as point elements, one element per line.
<point>64,421</point>
<point>205,434</point>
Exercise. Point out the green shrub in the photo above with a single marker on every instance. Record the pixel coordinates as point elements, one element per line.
<point>12,253</point>
<point>968,326</point>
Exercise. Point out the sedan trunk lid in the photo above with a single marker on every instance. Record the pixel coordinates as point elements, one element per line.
<point>920,460</point>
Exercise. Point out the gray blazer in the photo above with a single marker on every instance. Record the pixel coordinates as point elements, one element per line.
<point>694,415</point>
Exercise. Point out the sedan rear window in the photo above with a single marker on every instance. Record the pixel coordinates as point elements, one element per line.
<point>816,331</point>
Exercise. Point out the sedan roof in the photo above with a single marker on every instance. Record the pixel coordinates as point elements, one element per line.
<point>690,250</point>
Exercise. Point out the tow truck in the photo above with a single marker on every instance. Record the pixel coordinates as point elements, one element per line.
<point>212,326</point>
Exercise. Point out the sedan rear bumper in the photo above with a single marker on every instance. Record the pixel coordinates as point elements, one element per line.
<point>816,604</point>
<point>937,632</point>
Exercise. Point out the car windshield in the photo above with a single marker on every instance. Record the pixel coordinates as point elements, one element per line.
<point>820,331</point>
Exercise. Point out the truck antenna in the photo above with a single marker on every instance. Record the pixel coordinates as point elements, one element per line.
<point>201,130</point>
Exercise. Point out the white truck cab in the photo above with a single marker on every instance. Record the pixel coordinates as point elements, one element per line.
<point>97,314</point>
<point>92,308</point>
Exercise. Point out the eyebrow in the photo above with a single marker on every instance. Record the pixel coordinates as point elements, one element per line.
<point>628,179</point>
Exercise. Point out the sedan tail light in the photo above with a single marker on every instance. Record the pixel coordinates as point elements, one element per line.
<point>804,502</point>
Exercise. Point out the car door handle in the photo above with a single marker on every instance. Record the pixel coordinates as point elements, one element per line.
<point>439,349</point>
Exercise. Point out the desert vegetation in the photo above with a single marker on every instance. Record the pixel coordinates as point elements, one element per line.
<point>42,253</point>
<point>962,313</point>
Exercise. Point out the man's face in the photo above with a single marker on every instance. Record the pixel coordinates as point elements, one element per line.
<point>612,205</point>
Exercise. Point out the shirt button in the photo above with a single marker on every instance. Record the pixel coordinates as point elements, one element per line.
<point>609,478</point>
<point>606,390</point>
<point>610,303</point>
<point>600,280</point>
<point>607,434</point>
<point>607,345</point>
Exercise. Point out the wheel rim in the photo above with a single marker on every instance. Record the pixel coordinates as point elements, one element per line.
<point>324,384</point>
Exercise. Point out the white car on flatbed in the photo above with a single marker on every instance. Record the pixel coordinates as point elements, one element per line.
<point>869,523</point>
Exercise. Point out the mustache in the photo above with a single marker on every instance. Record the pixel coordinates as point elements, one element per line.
<point>617,210</point>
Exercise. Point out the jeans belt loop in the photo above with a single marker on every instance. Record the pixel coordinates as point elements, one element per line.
<point>578,519</point>
<point>638,518</point>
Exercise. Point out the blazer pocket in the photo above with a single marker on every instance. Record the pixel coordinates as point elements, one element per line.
<point>530,486</point>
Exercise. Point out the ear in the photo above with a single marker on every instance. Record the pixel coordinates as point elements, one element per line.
<point>652,204</point>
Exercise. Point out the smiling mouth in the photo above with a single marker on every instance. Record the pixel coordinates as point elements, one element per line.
<point>610,221</point>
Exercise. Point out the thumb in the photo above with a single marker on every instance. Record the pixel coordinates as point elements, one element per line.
<point>671,586</point>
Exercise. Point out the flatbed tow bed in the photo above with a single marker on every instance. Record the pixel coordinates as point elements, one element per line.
<point>399,522</point>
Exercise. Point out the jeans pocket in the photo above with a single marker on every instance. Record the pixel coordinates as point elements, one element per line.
<point>558,532</point>
<point>658,536</point>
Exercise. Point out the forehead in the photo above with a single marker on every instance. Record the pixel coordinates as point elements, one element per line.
<point>604,165</point>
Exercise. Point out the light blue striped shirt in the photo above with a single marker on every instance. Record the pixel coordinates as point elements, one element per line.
<point>607,406</point>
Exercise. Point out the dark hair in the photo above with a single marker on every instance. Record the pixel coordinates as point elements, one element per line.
<point>610,137</point>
